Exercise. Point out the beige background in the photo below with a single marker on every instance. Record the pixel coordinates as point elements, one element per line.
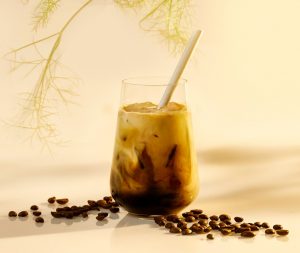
<point>243,83</point>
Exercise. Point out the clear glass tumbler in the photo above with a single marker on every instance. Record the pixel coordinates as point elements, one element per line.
<point>154,168</point>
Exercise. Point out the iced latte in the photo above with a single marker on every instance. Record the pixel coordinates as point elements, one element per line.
<point>154,168</point>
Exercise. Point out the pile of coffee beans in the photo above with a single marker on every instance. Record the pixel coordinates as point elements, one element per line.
<point>73,211</point>
<point>196,222</point>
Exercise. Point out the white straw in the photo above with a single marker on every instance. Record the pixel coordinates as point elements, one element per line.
<point>179,69</point>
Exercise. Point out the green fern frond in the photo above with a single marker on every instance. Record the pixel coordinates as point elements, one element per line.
<point>43,11</point>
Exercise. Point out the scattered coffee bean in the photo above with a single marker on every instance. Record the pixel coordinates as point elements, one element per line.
<point>202,222</point>
<point>186,231</point>
<point>39,220</point>
<point>23,214</point>
<point>57,214</point>
<point>224,217</point>
<point>210,237</point>
<point>270,231</point>
<point>36,213</point>
<point>175,230</point>
<point>225,231</point>
<point>277,227</point>
<point>84,215</point>
<point>238,219</point>
<point>62,201</point>
<point>245,225</point>
<point>69,215</point>
<point>254,228</point>
<point>207,229</point>
<point>12,214</point>
<point>258,224</point>
<point>227,222</point>
<point>92,203</point>
<point>190,219</point>
<point>222,224</point>
<point>265,225</point>
<point>173,218</point>
<point>169,225</point>
<point>282,232</point>
<point>160,220</point>
<point>108,198</point>
<point>101,216</point>
<point>248,234</point>
<point>203,216</point>
<point>114,209</point>
<point>197,211</point>
<point>214,218</point>
<point>51,200</point>
<point>186,214</point>
<point>34,208</point>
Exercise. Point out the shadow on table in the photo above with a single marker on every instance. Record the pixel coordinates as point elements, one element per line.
<point>264,179</point>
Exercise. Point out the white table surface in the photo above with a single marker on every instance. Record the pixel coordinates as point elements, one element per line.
<point>257,184</point>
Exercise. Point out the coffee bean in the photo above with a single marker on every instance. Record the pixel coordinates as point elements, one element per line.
<point>197,211</point>
<point>202,222</point>
<point>175,230</point>
<point>258,224</point>
<point>69,215</point>
<point>270,231</point>
<point>108,198</point>
<point>160,220</point>
<point>195,227</point>
<point>248,234</point>
<point>57,214</point>
<point>282,232</point>
<point>245,225</point>
<point>12,214</point>
<point>62,201</point>
<point>227,222</point>
<point>92,203</point>
<point>225,231</point>
<point>114,204</point>
<point>169,225</point>
<point>277,227</point>
<point>254,228</point>
<point>51,200</point>
<point>186,231</point>
<point>214,218</point>
<point>207,229</point>
<point>23,214</point>
<point>114,209</point>
<point>242,229</point>
<point>238,219</point>
<point>190,219</point>
<point>224,217</point>
<point>34,207</point>
<point>84,215</point>
<point>182,225</point>
<point>39,220</point>
<point>172,217</point>
<point>186,214</point>
<point>36,213</point>
<point>222,224</point>
<point>265,225</point>
<point>203,216</point>
<point>101,216</point>
<point>210,237</point>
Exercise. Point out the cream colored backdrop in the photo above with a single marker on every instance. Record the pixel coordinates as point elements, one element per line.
<point>244,83</point>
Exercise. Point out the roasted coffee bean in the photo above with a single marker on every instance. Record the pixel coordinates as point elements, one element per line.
<point>210,237</point>
<point>69,215</point>
<point>245,225</point>
<point>12,214</point>
<point>222,224</point>
<point>225,231</point>
<point>202,222</point>
<point>254,228</point>
<point>248,234</point>
<point>203,216</point>
<point>270,231</point>
<point>182,225</point>
<point>242,229</point>
<point>160,220</point>
<point>194,227</point>
<point>84,215</point>
<point>207,229</point>
<point>114,204</point>
<point>186,214</point>
<point>36,213</point>
<point>175,230</point>
<point>23,214</point>
<point>277,227</point>
<point>238,219</point>
<point>57,214</point>
<point>198,230</point>
<point>62,201</point>
<point>282,232</point>
<point>102,203</point>
<point>197,211</point>
<point>92,203</point>
<point>213,223</point>
<point>108,198</point>
<point>39,220</point>
<point>86,208</point>
<point>101,216</point>
<point>34,208</point>
<point>172,217</point>
<point>215,227</point>
<point>258,224</point>
<point>169,225</point>
<point>224,217</point>
<point>114,209</point>
<point>51,200</point>
<point>190,219</point>
<point>186,231</point>
<point>214,218</point>
<point>227,222</point>
<point>265,225</point>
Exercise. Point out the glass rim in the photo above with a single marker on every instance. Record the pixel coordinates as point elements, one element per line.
<point>142,81</point>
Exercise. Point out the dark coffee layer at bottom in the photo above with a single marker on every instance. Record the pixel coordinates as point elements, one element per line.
<point>150,203</point>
